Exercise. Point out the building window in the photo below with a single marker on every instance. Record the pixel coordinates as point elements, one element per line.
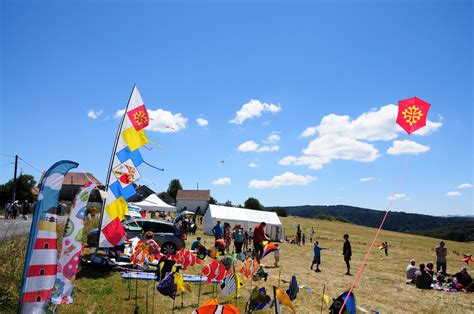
<point>42,272</point>
<point>46,245</point>
<point>38,299</point>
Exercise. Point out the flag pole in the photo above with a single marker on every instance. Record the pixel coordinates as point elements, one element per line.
<point>275,298</point>
<point>110,168</point>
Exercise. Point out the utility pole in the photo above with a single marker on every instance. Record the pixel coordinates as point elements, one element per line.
<point>197,186</point>
<point>14,178</point>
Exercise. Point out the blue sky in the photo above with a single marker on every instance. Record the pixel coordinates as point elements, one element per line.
<point>318,79</point>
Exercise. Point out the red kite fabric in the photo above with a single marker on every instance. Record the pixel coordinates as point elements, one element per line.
<point>139,117</point>
<point>412,114</point>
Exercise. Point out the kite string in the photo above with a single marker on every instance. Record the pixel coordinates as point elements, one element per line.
<point>389,208</point>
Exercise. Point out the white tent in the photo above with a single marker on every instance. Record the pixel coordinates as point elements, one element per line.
<point>155,204</point>
<point>247,218</point>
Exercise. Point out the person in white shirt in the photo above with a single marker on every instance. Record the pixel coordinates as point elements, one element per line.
<point>411,269</point>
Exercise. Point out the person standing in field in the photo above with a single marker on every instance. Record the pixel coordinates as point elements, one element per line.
<point>217,231</point>
<point>258,237</point>
<point>317,256</point>
<point>347,252</point>
<point>385,247</point>
<point>441,252</point>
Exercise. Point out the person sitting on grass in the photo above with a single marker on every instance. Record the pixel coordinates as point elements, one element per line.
<point>153,247</point>
<point>195,243</point>
<point>411,270</point>
<point>429,269</point>
<point>317,256</point>
<point>463,279</point>
<point>422,278</point>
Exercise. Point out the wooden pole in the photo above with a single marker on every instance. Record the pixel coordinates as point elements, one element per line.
<point>199,291</point>
<point>322,298</point>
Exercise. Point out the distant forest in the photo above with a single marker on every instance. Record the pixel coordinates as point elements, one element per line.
<point>449,228</point>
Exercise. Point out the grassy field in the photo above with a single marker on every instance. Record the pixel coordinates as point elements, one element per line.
<point>381,287</point>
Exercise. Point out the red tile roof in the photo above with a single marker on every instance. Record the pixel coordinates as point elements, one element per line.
<point>197,195</point>
<point>78,178</point>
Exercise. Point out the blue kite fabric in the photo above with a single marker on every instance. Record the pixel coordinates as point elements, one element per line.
<point>349,308</point>
<point>40,269</point>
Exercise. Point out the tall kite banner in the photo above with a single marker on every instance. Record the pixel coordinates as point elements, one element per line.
<point>39,273</point>
<point>123,170</point>
<point>71,248</point>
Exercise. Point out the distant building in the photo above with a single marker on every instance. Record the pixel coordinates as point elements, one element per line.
<point>73,181</point>
<point>192,199</point>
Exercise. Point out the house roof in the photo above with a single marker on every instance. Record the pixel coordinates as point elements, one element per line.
<point>195,195</point>
<point>77,178</point>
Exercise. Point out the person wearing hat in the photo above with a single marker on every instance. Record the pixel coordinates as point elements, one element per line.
<point>411,270</point>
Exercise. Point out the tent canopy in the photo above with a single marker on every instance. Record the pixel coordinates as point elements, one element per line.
<point>247,218</point>
<point>155,204</point>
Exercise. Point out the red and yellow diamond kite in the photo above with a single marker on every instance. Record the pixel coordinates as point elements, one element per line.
<point>139,117</point>
<point>412,114</point>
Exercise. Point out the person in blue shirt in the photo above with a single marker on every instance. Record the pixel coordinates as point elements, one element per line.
<point>317,256</point>
<point>217,231</point>
<point>196,243</point>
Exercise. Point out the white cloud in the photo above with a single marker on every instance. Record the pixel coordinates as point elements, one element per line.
<point>333,147</point>
<point>453,194</point>
<point>251,146</point>
<point>94,114</point>
<point>252,165</point>
<point>310,131</point>
<point>119,114</point>
<point>401,197</point>
<point>273,138</point>
<point>465,186</point>
<point>254,109</point>
<point>164,121</point>
<point>312,162</point>
<point>161,120</point>
<point>202,121</point>
<point>366,179</point>
<point>407,147</point>
<point>375,125</point>
<point>222,181</point>
<point>286,179</point>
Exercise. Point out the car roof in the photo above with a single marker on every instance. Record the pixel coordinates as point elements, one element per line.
<point>155,221</point>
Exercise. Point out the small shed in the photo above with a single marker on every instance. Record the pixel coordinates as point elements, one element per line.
<point>192,199</point>
<point>247,218</point>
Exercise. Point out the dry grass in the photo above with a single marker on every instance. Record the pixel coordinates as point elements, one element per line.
<point>382,284</point>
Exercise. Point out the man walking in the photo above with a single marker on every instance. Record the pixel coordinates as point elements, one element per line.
<point>258,237</point>
<point>217,231</point>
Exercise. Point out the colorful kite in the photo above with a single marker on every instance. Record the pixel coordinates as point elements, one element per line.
<point>339,307</point>
<point>231,285</point>
<point>258,300</point>
<point>381,246</point>
<point>123,170</point>
<point>215,270</point>
<point>283,298</point>
<point>39,273</point>
<point>213,307</point>
<point>171,284</point>
<point>71,248</point>
<point>269,248</point>
<point>249,267</point>
<point>467,259</point>
<point>412,114</point>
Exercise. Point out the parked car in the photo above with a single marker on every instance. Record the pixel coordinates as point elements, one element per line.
<point>166,234</point>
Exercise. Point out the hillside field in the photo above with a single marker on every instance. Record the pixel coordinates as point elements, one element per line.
<point>381,287</point>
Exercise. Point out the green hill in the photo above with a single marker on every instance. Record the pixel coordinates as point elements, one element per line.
<point>451,228</point>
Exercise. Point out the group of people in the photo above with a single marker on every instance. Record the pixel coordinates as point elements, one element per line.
<point>224,235</point>
<point>425,277</point>
<point>15,208</point>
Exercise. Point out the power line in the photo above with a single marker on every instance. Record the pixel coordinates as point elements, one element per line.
<point>11,163</point>
<point>7,155</point>
<point>34,168</point>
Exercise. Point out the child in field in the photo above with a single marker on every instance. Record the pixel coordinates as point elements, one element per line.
<point>276,255</point>
<point>317,256</point>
